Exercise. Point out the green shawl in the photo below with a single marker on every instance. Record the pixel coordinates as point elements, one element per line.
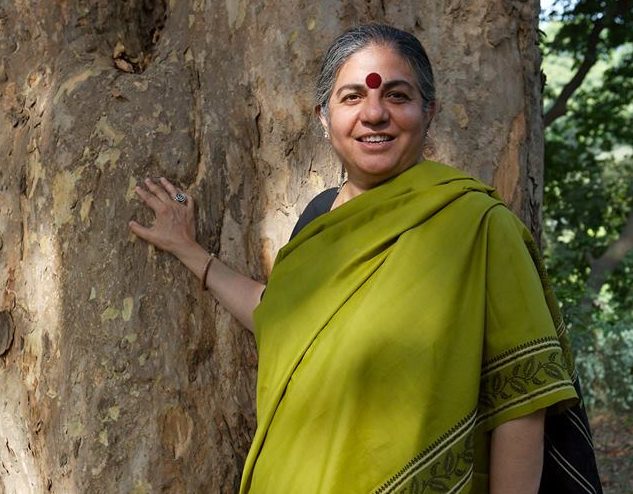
<point>396,331</point>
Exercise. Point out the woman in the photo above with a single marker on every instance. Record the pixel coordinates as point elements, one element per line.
<point>407,341</point>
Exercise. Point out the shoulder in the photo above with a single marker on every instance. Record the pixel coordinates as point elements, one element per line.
<point>500,217</point>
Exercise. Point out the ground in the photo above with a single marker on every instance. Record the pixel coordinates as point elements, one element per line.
<point>613,440</point>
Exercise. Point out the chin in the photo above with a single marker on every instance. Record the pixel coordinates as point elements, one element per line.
<point>385,171</point>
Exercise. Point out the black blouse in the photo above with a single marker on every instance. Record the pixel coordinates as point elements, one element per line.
<point>321,204</point>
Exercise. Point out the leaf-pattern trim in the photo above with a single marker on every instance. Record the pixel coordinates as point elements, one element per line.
<point>447,453</point>
<point>536,373</point>
<point>520,401</point>
<point>416,485</point>
<point>552,304</point>
<point>508,358</point>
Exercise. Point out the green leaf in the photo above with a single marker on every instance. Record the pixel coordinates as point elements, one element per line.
<point>436,485</point>
<point>517,385</point>
<point>449,462</point>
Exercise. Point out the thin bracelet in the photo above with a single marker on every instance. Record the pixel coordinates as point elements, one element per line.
<point>212,256</point>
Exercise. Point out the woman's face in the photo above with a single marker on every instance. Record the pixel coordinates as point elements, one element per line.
<point>377,132</point>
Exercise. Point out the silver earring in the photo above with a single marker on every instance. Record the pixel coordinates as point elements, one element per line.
<point>326,134</point>
<point>342,180</point>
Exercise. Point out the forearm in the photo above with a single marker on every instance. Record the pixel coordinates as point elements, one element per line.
<point>516,455</point>
<point>238,294</point>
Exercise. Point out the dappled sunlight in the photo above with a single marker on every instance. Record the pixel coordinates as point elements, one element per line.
<point>42,302</point>
<point>37,306</point>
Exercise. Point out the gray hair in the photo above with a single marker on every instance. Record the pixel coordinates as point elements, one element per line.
<point>357,38</point>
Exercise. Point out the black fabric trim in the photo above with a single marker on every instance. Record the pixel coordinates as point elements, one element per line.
<point>566,444</point>
<point>321,204</point>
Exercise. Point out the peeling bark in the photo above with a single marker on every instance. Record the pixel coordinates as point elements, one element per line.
<point>121,375</point>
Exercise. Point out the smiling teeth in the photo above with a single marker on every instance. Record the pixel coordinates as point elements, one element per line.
<point>376,138</point>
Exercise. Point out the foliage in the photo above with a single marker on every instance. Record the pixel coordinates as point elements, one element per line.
<point>589,187</point>
<point>603,365</point>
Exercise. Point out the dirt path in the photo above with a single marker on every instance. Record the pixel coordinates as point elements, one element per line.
<point>613,439</point>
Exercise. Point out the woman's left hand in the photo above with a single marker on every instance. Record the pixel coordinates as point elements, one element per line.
<point>174,228</point>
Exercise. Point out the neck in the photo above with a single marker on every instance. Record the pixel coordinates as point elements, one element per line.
<point>348,191</point>
<point>351,190</point>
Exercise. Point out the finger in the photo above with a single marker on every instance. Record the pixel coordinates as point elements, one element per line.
<point>169,187</point>
<point>150,199</point>
<point>157,190</point>
<point>139,230</point>
<point>172,190</point>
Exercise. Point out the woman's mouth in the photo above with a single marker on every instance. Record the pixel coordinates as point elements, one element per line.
<point>375,138</point>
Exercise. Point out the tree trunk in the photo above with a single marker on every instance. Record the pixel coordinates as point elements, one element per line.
<point>117,373</point>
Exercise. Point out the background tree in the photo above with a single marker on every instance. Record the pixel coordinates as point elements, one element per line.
<point>588,56</point>
<point>117,373</point>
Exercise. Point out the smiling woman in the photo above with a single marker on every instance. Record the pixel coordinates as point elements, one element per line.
<point>377,132</point>
<point>407,338</point>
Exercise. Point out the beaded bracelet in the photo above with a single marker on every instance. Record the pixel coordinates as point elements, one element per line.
<point>212,256</point>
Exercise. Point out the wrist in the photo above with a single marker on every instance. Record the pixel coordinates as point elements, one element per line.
<point>186,250</point>
<point>203,279</point>
<point>193,256</point>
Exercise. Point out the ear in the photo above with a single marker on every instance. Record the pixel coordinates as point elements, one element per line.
<point>322,117</point>
<point>430,107</point>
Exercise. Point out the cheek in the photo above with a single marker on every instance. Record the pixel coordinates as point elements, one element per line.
<point>341,127</point>
<point>342,119</point>
<point>413,120</point>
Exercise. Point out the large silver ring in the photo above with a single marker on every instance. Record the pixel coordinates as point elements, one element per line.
<point>181,198</point>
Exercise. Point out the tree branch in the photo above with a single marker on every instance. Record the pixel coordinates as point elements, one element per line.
<point>602,267</point>
<point>559,108</point>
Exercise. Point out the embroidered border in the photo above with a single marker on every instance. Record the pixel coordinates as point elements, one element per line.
<point>521,375</point>
<point>553,306</point>
<point>509,380</point>
<point>446,466</point>
<point>518,352</point>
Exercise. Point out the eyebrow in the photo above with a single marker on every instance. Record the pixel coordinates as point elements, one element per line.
<point>387,85</point>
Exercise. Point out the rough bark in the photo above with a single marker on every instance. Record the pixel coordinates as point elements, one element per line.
<point>117,373</point>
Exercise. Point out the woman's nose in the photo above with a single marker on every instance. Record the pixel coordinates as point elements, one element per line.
<point>374,110</point>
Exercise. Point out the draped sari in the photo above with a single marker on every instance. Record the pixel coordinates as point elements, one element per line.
<point>395,332</point>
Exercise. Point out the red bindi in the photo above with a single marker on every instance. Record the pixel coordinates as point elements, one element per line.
<point>373,80</point>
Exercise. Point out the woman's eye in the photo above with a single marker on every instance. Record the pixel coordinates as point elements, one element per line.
<point>351,98</point>
<point>397,96</point>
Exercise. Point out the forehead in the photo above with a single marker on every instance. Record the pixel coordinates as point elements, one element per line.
<point>382,60</point>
